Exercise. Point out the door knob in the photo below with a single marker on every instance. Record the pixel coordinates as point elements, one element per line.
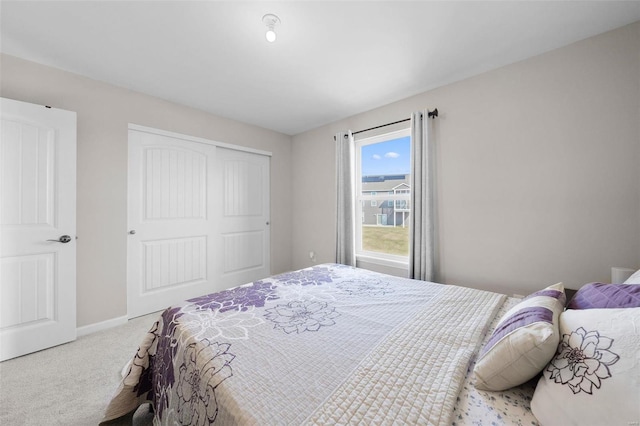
<point>132,232</point>
<point>63,239</point>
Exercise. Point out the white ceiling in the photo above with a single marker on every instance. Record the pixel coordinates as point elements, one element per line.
<point>331,59</point>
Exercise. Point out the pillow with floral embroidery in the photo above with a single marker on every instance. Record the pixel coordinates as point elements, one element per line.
<point>523,341</point>
<point>594,377</point>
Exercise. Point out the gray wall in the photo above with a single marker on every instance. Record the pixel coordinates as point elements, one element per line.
<point>538,169</point>
<point>104,112</point>
<point>538,176</point>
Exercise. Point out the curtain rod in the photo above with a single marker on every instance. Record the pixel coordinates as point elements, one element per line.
<point>432,114</point>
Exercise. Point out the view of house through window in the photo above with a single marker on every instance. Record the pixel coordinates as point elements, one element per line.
<point>383,191</point>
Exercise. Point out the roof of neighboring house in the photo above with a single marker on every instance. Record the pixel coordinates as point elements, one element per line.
<point>384,183</point>
<point>403,185</point>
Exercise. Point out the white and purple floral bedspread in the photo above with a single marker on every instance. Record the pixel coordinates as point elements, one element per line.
<point>328,344</point>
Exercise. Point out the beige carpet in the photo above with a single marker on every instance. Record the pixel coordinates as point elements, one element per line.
<point>71,384</point>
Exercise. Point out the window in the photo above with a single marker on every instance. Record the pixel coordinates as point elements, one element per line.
<point>383,178</point>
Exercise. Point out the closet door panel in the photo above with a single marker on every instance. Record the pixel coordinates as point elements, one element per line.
<point>172,222</point>
<point>244,224</point>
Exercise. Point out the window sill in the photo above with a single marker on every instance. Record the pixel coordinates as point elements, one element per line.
<point>398,268</point>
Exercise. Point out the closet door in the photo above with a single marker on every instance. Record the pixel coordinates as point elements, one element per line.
<point>198,218</point>
<point>244,237</point>
<point>172,221</point>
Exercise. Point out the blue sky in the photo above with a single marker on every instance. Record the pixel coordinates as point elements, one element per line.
<point>384,158</point>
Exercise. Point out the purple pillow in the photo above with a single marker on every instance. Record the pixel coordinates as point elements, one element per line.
<point>606,296</point>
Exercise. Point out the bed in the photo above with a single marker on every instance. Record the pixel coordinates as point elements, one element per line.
<point>330,344</point>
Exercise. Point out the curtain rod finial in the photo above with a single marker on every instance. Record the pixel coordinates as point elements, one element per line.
<point>433,114</point>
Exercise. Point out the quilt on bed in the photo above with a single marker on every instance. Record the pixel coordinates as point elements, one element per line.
<point>324,345</point>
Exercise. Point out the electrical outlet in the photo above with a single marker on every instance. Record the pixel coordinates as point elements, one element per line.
<point>312,256</point>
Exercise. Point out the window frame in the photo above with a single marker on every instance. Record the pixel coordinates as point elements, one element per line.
<point>379,258</point>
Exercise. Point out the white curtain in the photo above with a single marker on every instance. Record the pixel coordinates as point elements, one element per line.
<point>421,241</point>
<point>346,181</point>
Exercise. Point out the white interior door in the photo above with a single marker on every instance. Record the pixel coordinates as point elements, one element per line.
<point>37,227</point>
<point>244,222</point>
<point>171,221</point>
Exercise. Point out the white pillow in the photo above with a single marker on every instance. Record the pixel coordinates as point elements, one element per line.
<point>594,379</point>
<point>523,342</point>
<point>634,278</point>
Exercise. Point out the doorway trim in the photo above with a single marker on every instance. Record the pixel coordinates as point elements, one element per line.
<point>197,139</point>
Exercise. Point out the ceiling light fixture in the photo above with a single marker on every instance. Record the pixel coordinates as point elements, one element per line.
<point>270,20</point>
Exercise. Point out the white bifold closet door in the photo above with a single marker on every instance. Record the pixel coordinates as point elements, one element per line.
<point>198,218</point>
<point>243,245</point>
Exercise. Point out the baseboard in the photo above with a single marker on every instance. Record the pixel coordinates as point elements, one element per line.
<point>103,325</point>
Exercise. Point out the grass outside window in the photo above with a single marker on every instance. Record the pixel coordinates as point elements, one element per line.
<point>386,239</point>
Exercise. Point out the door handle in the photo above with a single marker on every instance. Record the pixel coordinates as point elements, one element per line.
<point>63,239</point>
